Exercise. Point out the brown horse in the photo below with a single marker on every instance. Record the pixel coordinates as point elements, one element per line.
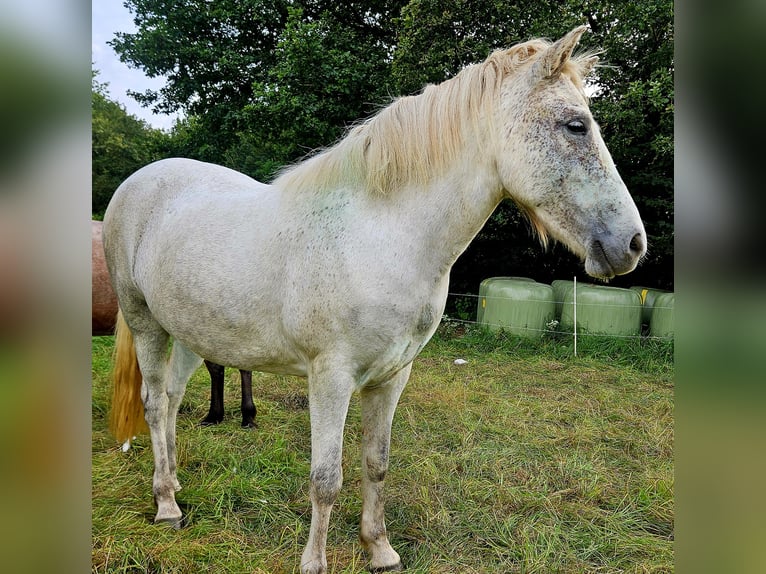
<point>104,318</point>
<point>104,307</point>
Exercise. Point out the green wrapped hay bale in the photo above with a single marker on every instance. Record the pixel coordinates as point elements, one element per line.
<point>563,288</point>
<point>602,310</point>
<point>486,285</point>
<point>560,288</point>
<point>662,316</point>
<point>517,305</point>
<point>648,297</point>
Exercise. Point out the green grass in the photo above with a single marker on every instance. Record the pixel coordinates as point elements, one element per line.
<point>524,460</point>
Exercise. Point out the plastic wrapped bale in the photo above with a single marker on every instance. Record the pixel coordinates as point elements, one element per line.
<point>648,297</point>
<point>602,310</point>
<point>662,316</point>
<point>519,306</point>
<point>486,285</point>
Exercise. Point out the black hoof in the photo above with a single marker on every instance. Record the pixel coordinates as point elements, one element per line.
<point>210,421</point>
<point>248,424</point>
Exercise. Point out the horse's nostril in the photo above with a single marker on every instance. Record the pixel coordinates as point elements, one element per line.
<point>637,243</point>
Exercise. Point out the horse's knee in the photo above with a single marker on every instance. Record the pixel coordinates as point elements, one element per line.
<point>175,396</point>
<point>376,460</point>
<point>326,482</point>
<point>376,468</point>
<point>155,407</point>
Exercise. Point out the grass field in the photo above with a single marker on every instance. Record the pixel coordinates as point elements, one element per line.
<point>524,460</point>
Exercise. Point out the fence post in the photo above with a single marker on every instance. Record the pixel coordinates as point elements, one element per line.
<point>574,313</point>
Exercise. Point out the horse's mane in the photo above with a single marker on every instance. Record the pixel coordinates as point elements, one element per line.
<point>416,136</point>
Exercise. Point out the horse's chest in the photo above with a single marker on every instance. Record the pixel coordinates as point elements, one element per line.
<point>382,341</point>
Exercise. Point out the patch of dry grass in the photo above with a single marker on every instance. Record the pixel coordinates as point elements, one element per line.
<point>521,461</point>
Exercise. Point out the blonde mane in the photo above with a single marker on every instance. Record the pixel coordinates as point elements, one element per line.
<point>417,136</point>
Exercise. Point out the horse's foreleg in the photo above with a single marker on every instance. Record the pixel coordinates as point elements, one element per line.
<point>151,350</point>
<point>215,414</point>
<point>378,405</point>
<point>329,396</point>
<point>248,407</point>
<point>183,363</point>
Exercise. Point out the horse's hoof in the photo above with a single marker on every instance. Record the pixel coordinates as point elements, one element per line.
<point>174,523</point>
<point>248,424</point>
<point>209,422</point>
<point>398,567</point>
<point>313,568</point>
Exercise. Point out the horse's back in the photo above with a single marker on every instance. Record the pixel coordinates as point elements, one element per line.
<point>151,190</point>
<point>147,207</point>
<point>172,192</point>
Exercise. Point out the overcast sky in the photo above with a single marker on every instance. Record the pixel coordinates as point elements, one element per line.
<point>108,17</point>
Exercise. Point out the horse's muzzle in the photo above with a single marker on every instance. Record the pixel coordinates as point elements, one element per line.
<point>608,255</point>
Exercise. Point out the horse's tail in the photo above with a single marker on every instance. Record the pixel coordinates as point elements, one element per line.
<point>126,418</point>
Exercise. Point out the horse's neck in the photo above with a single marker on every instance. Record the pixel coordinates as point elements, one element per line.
<point>451,210</point>
<point>429,223</point>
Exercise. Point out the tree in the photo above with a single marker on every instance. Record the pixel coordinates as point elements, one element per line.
<point>238,67</point>
<point>437,38</point>
<point>327,76</point>
<point>210,52</point>
<point>121,144</point>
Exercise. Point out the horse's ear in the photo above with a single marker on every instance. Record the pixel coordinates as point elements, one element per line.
<point>587,65</point>
<point>556,56</point>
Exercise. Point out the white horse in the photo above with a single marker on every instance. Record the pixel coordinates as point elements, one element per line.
<point>338,270</point>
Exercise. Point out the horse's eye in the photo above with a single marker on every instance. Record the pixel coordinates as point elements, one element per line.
<point>577,127</point>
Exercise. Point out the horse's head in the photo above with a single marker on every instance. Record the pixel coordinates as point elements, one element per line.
<point>553,162</point>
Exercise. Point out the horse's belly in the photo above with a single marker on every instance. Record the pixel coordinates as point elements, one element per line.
<point>248,351</point>
<point>235,333</point>
<point>270,353</point>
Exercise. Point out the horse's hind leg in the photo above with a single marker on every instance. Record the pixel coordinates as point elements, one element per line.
<point>248,407</point>
<point>183,363</point>
<point>215,414</point>
<point>151,352</point>
<point>378,405</point>
<point>161,391</point>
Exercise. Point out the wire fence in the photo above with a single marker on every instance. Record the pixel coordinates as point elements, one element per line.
<point>553,327</point>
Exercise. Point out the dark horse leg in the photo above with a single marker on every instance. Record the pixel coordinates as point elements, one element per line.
<point>215,415</point>
<point>248,407</point>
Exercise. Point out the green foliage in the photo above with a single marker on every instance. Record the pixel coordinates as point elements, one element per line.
<point>325,76</point>
<point>211,52</point>
<point>121,144</point>
<point>265,81</point>
<point>437,38</point>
